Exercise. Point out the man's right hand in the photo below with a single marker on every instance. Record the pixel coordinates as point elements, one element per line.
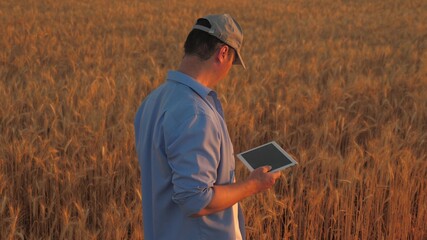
<point>262,179</point>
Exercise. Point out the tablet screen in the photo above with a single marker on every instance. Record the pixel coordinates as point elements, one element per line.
<point>268,154</point>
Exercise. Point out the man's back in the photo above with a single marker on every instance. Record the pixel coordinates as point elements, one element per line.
<point>182,139</point>
<point>184,150</point>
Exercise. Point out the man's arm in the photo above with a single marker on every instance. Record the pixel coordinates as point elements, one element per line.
<point>226,196</point>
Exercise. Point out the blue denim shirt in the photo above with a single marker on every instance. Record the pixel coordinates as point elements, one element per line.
<point>184,149</point>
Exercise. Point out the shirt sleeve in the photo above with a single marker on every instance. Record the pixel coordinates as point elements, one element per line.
<point>192,149</point>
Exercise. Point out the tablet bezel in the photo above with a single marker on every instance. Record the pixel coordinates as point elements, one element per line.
<point>246,163</point>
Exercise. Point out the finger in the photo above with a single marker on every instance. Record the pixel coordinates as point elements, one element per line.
<point>266,168</point>
<point>276,175</point>
<point>263,169</point>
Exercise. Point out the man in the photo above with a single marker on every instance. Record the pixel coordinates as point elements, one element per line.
<point>184,149</point>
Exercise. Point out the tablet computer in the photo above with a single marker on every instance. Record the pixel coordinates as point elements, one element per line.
<point>267,154</point>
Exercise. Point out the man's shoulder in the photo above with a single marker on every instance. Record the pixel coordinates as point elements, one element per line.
<point>186,108</point>
<point>177,102</point>
<point>184,103</point>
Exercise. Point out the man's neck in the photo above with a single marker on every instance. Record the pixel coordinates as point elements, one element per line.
<point>198,70</point>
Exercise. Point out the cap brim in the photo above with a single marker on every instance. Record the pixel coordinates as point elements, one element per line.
<point>239,60</point>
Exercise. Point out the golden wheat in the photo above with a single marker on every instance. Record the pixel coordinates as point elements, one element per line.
<point>340,84</point>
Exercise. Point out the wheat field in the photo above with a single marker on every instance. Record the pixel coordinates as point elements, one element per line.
<point>342,85</point>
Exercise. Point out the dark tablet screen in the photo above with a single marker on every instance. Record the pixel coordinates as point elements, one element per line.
<point>267,155</point>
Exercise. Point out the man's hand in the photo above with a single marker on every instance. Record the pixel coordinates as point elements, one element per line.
<point>262,179</point>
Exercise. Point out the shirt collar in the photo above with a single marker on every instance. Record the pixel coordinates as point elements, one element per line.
<point>183,78</point>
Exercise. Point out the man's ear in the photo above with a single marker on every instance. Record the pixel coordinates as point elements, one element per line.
<point>223,52</point>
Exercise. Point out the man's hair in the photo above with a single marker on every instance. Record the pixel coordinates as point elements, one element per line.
<point>201,43</point>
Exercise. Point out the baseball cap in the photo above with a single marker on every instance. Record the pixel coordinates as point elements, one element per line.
<point>226,29</point>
